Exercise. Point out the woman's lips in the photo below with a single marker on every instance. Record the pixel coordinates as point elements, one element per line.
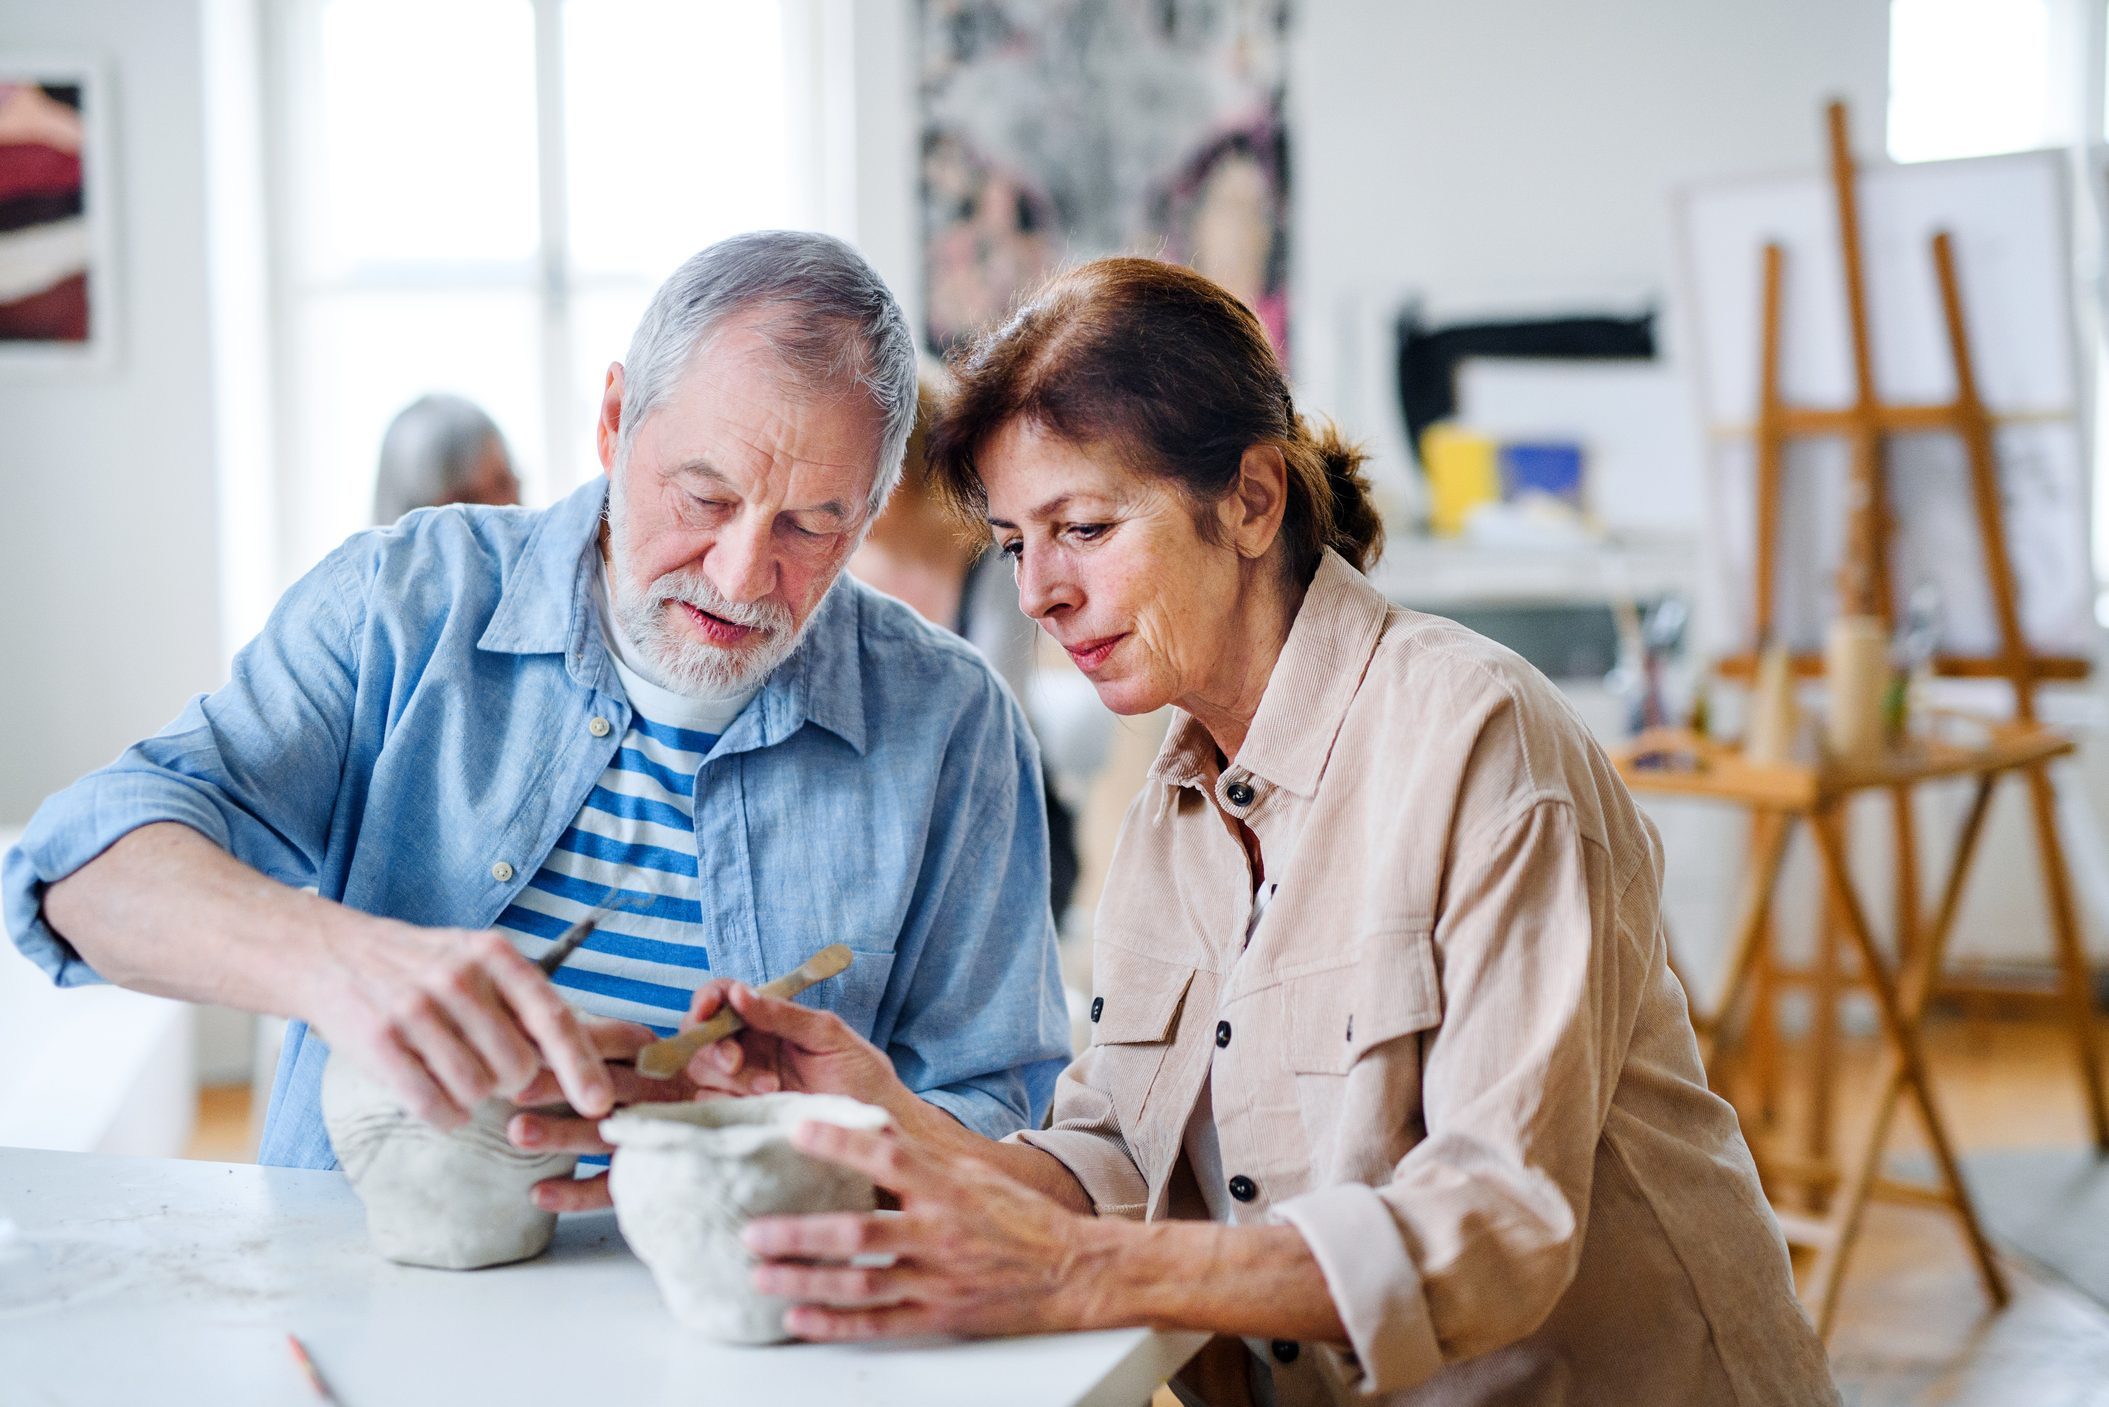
<point>1092,653</point>
<point>716,629</point>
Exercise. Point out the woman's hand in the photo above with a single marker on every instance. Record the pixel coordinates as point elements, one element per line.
<point>974,1251</point>
<point>791,1047</point>
<point>559,1130</point>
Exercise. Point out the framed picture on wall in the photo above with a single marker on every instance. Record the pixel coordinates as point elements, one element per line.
<point>58,302</point>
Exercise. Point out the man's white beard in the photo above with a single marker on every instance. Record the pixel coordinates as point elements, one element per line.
<point>673,657</point>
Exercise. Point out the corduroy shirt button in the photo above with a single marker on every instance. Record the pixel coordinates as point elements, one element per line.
<point>1239,793</point>
<point>1098,1005</point>
<point>1222,1034</point>
<point>1285,1351</point>
<point>1244,1188</point>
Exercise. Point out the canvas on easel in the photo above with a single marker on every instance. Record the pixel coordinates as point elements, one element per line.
<point>2007,218</point>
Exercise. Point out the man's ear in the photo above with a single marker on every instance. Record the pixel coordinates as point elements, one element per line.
<point>608,429</point>
<point>1251,514</point>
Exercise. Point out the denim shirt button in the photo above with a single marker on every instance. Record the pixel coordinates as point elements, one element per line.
<point>502,872</point>
<point>598,727</point>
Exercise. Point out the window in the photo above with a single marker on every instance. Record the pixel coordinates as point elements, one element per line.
<point>1975,77</point>
<point>479,196</point>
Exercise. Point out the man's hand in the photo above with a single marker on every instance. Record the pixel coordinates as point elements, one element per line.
<point>542,1130</point>
<point>448,1017</point>
<point>791,1047</point>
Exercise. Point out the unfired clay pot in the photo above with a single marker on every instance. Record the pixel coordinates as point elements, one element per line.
<point>456,1200</point>
<point>687,1179</point>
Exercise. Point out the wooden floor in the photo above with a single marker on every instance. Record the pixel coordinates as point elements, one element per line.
<point>1913,1329</point>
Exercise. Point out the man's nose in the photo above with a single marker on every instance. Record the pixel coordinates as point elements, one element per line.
<point>1044,584</point>
<point>742,562</point>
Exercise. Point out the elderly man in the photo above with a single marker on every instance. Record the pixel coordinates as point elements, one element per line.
<point>660,695</point>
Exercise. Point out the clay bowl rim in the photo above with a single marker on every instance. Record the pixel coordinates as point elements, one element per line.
<point>734,1126</point>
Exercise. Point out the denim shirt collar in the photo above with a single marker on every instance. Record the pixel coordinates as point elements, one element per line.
<point>546,607</point>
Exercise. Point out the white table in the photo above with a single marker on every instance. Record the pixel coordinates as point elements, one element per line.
<point>152,1280</point>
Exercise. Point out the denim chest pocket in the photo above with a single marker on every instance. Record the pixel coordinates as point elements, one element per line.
<point>1339,1013</point>
<point>1135,1005</point>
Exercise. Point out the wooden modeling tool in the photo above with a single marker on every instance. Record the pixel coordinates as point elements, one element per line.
<point>572,940</point>
<point>574,937</point>
<point>665,1059</point>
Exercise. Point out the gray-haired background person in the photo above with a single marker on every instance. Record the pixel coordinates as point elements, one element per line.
<point>442,449</point>
<point>660,695</point>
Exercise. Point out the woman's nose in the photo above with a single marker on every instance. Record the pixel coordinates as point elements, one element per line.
<point>1043,584</point>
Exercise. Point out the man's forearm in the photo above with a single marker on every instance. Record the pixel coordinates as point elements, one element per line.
<point>167,911</point>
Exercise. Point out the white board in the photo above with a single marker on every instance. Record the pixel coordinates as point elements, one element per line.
<point>2009,218</point>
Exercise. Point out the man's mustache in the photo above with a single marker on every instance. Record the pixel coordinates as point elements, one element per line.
<point>759,615</point>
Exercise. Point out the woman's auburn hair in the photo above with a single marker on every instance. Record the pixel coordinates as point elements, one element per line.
<point>1168,369</point>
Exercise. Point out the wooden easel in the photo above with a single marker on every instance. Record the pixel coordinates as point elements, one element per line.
<point>1865,586</point>
<point>1778,795</point>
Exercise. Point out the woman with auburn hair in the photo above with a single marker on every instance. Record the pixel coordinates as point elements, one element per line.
<point>1389,1077</point>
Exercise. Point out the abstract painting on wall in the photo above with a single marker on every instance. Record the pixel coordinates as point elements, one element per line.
<point>54,289</point>
<point>1056,131</point>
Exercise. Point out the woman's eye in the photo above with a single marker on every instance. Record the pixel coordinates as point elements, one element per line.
<point>1089,532</point>
<point>1013,549</point>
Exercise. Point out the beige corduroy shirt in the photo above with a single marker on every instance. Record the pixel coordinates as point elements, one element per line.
<point>1453,1055</point>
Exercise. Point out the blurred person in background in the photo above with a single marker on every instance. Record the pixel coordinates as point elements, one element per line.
<point>917,553</point>
<point>442,449</point>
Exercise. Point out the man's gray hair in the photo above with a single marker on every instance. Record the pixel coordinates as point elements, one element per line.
<point>428,453</point>
<point>840,326</point>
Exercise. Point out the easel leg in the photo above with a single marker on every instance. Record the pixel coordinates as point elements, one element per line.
<point>1763,1035</point>
<point>1823,1045</point>
<point>1905,823</point>
<point>2072,957</point>
<point>1769,849</point>
<point>1903,1072</point>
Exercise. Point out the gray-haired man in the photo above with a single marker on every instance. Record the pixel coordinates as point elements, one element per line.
<point>472,728</point>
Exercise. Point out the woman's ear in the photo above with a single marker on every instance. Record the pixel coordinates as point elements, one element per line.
<point>1251,514</point>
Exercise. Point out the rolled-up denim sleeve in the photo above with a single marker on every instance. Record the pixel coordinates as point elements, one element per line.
<point>254,767</point>
<point>984,1029</point>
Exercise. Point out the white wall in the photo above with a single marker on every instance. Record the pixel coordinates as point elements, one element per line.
<point>1514,155</point>
<point>109,560</point>
<point>109,607</point>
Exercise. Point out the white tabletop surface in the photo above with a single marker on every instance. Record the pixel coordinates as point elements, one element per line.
<point>154,1281</point>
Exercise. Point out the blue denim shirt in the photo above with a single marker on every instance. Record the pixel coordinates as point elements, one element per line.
<point>421,707</point>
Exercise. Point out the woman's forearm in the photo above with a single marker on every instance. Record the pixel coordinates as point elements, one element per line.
<point>1042,1172</point>
<point>1257,1281</point>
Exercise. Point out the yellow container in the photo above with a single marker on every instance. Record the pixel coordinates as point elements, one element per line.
<point>1463,473</point>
